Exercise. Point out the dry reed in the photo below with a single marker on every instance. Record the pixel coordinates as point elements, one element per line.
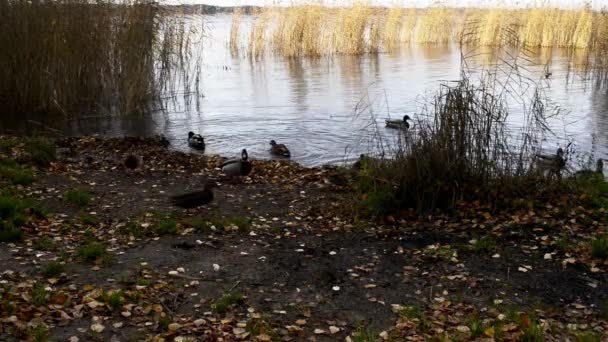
<point>74,58</point>
<point>435,26</point>
<point>235,29</point>
<point>314,30</point>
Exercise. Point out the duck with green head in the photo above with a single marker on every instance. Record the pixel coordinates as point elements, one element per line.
<point>196,141</point>
<point>237,167</point>
<point>399,124</point>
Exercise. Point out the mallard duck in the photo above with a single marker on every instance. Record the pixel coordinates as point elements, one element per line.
<point>399,124</point>
<point>195,198</point>
<point>279,149</point>
<point>237,167</point>
<point>196,141</point>
<point>162,140</point>
<point>553,163</point>
<point>599,170</point>
<point>358,165</point>
<point>133,162</point>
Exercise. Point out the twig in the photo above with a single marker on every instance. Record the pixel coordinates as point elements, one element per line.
<point>191,277</point>
<point>234,286</point>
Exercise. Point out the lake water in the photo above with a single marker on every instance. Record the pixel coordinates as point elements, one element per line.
<point>309,103</point>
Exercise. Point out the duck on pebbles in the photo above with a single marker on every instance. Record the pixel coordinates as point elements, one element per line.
<point>237,167</point>
<point>195,199</point>
<point>552,164</point>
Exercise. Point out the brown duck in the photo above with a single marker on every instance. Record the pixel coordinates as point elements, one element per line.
<point>195,198</point>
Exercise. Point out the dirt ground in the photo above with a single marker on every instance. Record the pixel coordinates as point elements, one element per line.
<point>305,268</point>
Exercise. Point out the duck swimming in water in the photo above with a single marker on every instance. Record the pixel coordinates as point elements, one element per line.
<point>279,149</point>
<point>399,124</point>
<point>237,167</point>
<point>196,141</point>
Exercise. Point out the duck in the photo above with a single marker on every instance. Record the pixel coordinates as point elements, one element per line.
<point>399,124</point>
<point>553,163</point>
<point>162,140</point>
<point>237,167</point>
<point>279,149</point>
<point>195,199</point>
<point>196,141</point>
<point>599,170</point>
<point>360,163</point>
<point>133,162</point>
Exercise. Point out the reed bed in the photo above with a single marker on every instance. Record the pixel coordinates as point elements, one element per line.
<point>235,29</point>
<point>314,30</point>
<point>460,149</point>
<point>73,57</point>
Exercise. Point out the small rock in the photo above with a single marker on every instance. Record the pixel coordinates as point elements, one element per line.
<point>333,330</point>
<point>216,267</point>
<point>463,329</point>
<point>97,327</point>
<point>320,331</point>
<point>174,326</point>
<point>181,270</point>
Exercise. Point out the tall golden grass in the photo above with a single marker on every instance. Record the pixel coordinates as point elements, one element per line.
<point>314,30</point>
<point>74,57</point>
<point>235,29</point>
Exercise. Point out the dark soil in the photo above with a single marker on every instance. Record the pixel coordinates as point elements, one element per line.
<point>300,258</point>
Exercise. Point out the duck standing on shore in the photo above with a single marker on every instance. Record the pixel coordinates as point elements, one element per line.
<point>237,167</point>
<point>133,162</point>
<point>195,198</point>
<point>399,124</point>
<point>552,164</point>
<point>279,150</point>
<point>196,141</point>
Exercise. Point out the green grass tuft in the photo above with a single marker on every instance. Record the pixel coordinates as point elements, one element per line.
<point>14,173</point>
<point>165,227</point>
<point>6,145</point>
<point>484,245</point>
<point>54,268</point>
<point>533,333</point>
<point>41,151</point>
<point>88,220</point>
<point>113,300</point>
<point>14,213</point>
<point>364,334</point>
<point>599,247</point>
<point>477,328</point>
<point>78,197</point>
<point>39,294</point>
<point>39,334</point>
<point>226,301</point>
<point>411,312</point>
<point>91,251</point>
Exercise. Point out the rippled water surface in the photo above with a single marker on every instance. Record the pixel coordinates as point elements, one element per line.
<point>309,104</point>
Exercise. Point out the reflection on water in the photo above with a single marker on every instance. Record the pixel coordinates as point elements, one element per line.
<point>309,103</point>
